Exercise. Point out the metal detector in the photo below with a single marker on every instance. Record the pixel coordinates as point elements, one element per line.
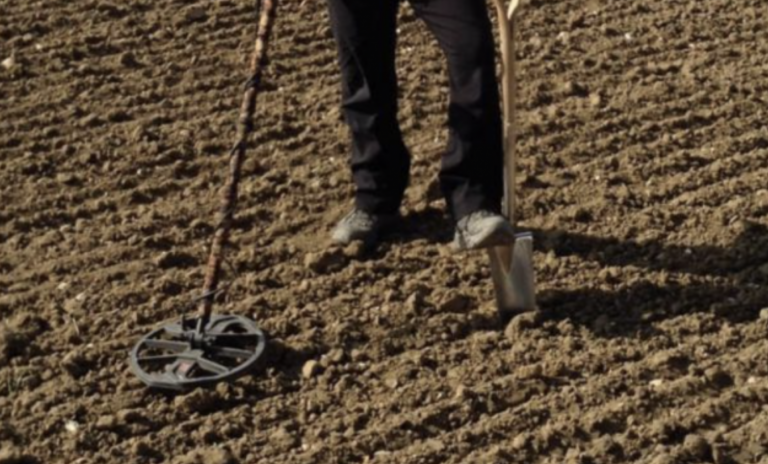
<point>208,348</point>
<point>511,266</point>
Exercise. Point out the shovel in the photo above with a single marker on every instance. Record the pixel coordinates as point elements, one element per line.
<point>512,265</point>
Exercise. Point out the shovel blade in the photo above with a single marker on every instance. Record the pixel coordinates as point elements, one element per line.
<point>512,272</point>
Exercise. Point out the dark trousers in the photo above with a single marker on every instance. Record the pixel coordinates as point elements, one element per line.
<point>471,174</point>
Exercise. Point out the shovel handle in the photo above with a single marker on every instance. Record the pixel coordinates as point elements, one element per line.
<point>506,21</point>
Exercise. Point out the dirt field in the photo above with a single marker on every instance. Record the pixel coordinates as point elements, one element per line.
<point>644,151</point>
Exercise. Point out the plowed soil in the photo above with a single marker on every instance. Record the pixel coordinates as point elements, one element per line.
<point>644,156</point>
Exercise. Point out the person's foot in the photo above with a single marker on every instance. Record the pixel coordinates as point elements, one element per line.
<point>482,229</point>
<point>359,225</point>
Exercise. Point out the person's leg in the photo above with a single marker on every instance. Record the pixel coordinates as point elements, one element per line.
<point>365,31</point>
<point>471,176</point>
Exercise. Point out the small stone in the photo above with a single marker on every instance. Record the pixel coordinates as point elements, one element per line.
<point>697,446</point>
<point>71,426</point>
<point>9,62</point>
<point>656,383</point>
<point>311,369</point>
<point>764,314</point>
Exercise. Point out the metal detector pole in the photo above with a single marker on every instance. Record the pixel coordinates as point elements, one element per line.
<point>237,154</point>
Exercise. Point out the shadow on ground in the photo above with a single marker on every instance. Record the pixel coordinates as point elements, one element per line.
<point>729,282</point>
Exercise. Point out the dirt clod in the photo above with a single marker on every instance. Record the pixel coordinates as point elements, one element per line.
<point>198,401</point>
<point>15,456</point>
<point>455,304</point>
<point>207,456</point>
<point>76,363</point>
<point>175,259</point>
<point>142,449</point>
<point>106,422</point>
<point>697,446</point>
<point>521,323</point>
<point>326,261</point>
<point>129,416</point>
<point>415,302</point>
<point>12,343</point>
<point>718,377</point>
<point>355,250</point>
<point>128,60</point>
<point>192,14</point>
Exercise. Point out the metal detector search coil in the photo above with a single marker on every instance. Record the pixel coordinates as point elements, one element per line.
<point>177,356</point>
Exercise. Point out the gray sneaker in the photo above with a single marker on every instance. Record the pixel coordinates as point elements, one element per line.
<point>482,229</point>
<point>362,226</point>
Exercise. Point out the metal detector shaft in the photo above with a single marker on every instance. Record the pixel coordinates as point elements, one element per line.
<point>237,154</point>
<point>511,266</point>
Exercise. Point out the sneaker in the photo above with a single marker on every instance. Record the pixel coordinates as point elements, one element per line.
<point>482,229</point>
<point>359,225</point>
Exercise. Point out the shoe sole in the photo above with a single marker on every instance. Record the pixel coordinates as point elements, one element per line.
<point>496,236</point>
<point>371,238</point>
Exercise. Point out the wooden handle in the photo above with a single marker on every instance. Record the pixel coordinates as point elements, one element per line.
<point>237,155</point>
<point>506,20</point>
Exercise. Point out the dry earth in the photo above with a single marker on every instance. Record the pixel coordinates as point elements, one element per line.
<point>644,151</point>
